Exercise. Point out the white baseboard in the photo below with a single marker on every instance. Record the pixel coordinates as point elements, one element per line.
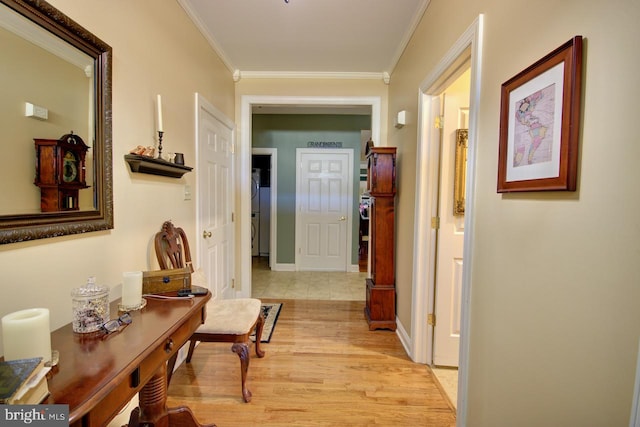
<point>353,268</point>
<point>404,337</point>
<point>283,267</point>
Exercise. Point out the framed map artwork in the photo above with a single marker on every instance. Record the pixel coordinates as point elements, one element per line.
<point>540,123</point>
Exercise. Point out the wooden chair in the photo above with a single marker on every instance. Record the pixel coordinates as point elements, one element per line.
<point>230,320</point>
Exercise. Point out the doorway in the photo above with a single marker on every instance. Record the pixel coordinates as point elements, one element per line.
<point>244,161</point>
<point>264,202</point>
<point>466,52</point>
<point>449,258</point>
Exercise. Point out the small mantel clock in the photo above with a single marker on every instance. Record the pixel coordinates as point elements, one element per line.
<point>60,172</point>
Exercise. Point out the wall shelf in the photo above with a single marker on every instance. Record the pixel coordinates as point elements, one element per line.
<point>148,165</point>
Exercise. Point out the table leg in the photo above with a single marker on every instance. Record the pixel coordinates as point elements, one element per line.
<point>153,409</point>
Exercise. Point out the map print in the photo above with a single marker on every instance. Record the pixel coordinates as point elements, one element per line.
<point>533,137</point>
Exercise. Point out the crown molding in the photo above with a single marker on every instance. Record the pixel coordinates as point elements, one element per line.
<point>212,41</point>
<point>408,34</point>
<point>309,75</point>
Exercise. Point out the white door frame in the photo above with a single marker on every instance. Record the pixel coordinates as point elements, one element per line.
<point>424,246</point>
<point>201,104</point>
<point>243,169</point>
<point>273,207</point>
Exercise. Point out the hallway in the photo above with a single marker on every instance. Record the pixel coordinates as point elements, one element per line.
<point>321,368</point>
<point>328,286</point>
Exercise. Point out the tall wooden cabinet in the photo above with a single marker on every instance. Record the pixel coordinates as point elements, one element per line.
<point>380,309</point>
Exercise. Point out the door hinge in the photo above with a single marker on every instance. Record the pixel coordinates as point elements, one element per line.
<point>233,217</point>
<point>438,122</point>
<point>431,319</point>
<point>233,148</point>
<point>233,283</point>
<point>435,222</point>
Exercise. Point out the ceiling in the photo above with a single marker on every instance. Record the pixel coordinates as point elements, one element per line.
<point>262,38</point>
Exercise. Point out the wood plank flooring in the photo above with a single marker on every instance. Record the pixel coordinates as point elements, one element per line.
<point>323,367</point>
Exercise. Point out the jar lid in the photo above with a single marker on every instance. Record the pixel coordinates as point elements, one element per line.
<point>91,289</point>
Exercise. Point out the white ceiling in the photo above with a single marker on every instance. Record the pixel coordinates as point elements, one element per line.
<point>307,37</point>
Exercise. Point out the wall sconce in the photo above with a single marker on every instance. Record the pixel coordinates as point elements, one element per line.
<point>401,119</point>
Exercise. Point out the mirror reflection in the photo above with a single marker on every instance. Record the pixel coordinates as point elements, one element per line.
<point>56,82</point>
<point>47,93</point>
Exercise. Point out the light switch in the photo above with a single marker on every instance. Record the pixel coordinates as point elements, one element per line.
<point>187,192</point>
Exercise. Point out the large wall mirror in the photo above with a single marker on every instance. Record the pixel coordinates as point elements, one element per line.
<point>56,80</point>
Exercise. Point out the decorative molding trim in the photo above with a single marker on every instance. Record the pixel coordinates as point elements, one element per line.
<point>213,42</point>
<point>407,36</point>
<point>308,75</point>
<point>243,162</point>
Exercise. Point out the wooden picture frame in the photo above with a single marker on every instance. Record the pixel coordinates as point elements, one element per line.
<point>460,177</point>
<point>540,123</point>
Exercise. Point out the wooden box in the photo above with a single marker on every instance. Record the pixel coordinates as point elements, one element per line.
<point>162,281</point>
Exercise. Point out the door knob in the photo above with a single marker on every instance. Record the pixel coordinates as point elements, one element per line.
<point>206,234</point>
<point>343,218</point>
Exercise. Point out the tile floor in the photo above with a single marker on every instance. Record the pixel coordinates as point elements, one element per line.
<point>321,285</point>
<point>448,379</point>
<point>318,285</point>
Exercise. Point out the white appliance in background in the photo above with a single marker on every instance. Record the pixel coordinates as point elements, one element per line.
<point>255,190</point>
<point>255,212</point>
<point>265,220</point>
<point>255,233</point>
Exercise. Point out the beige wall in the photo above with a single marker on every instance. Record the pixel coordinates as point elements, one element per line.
<point>156,50</point>
<point>554,317</point>
<point>554,282</point>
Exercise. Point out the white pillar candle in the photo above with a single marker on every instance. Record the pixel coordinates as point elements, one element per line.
<point>159,114</point>
<point>26,334</point>
<point>131,289</point>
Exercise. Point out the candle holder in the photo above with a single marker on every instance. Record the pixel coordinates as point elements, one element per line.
<point>160,133</point>
<point>127,308</point>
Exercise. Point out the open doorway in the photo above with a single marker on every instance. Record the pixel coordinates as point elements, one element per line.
<point>453,124</point>
<point>264,198</point>
<point>465,53</point>
<point>244,161</point>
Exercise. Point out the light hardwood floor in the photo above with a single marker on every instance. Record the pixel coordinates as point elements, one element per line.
<point>323,367</point>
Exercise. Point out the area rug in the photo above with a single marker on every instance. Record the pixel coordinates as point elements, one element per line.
<point>271,311</point>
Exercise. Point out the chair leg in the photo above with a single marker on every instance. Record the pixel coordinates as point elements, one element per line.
<point>192,346</point>
<point>259,327</point>
<point>242,350</point>
<point>171,364</point>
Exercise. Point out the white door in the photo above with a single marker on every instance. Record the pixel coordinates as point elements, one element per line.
<point>215,199</point>
<point>324,199</point>
<point>450,243</point>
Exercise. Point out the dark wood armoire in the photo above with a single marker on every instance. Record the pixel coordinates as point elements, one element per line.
<point>380,309</point>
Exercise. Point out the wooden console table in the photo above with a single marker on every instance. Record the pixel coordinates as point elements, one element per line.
<point>98,374</point>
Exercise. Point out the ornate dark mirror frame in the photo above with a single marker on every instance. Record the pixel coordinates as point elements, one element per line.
<point>17,228</point>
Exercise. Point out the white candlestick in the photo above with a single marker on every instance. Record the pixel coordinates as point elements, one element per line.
<point>159,114</point>
<point>131,289</point>
<point>26,334</point>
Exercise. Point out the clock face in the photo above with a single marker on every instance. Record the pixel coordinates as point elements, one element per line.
<point>69,167</point>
